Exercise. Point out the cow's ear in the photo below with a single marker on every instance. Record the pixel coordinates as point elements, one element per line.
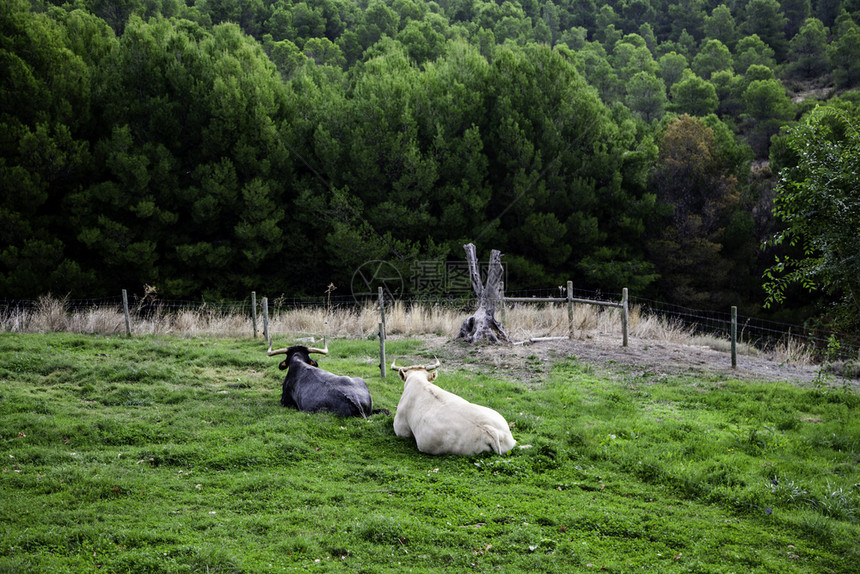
<point>283,365</point>
<point>431,376</point>
<point>402,374</point>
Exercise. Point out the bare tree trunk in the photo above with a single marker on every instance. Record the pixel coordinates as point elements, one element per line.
<point>483,324</point>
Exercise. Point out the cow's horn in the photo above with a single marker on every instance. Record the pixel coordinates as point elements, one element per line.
<point>323,351</point>
<point>430,368</point>
<point>271,353</point>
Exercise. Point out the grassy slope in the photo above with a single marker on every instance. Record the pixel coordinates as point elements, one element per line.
<point>173,455</point>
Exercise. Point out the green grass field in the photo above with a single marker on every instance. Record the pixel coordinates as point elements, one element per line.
<point>157,454</point>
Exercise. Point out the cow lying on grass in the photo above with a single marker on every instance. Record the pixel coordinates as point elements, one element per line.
<point>309,388</point>
<point>444,423</point>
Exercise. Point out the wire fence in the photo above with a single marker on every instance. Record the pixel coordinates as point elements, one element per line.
<point>756,331</point>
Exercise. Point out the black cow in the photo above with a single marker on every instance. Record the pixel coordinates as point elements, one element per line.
<point>309,388</point>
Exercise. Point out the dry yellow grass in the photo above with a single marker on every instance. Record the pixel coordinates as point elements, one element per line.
<point>522,322</point>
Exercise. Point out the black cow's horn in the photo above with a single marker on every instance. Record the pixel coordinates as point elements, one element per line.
<point>323,351</point>
<point>271,353</point>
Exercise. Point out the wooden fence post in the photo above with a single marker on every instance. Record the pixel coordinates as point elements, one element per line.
<point>734,337</point>
<point>125,310</point>
<point>570,310</point>
<point>265,305</point>
<point>382,334</point>
<point>624,305</point>
<point>254,312</point>
<point>570,301</point>
<point>382,359</point>
<point>502,313</point>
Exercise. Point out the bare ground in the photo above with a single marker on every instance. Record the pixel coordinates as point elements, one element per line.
<point>607,353</point>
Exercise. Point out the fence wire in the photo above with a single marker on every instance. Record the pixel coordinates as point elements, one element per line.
<point>759,332</point>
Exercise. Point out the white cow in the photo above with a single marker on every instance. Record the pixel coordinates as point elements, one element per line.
<point>442,422</point>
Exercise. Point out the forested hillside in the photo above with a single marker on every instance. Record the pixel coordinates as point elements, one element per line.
<point>213,147</point>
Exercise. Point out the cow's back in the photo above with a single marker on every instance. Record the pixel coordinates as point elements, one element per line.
<point>445,423</point>
<point>313,389</point>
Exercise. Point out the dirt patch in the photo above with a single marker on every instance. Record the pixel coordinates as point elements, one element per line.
<point>605,352</point>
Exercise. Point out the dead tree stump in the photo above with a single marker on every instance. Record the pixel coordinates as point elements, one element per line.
<point>483,325</point>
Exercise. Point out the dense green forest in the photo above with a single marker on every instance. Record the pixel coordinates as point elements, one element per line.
<point>211,147</point>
